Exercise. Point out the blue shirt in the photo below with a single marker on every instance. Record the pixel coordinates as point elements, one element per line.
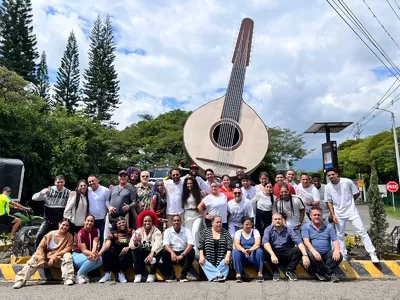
<point>280,240</point>
<point>320,239</point>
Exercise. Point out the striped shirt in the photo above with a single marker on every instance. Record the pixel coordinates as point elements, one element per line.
<point>215,250</point>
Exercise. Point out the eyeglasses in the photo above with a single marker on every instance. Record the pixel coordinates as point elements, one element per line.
<point>121,223</point>
<point>145,176</point>
<point>175,175</point>
<point>237,193</point>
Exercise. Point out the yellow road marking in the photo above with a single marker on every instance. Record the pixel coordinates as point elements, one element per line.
<point>348,270</point>
<point>393,266</point>
<point>371,269</point>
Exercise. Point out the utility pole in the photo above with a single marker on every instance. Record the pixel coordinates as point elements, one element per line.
<point>396,145</point>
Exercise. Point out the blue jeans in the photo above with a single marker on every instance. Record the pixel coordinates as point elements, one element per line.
<point>212,271</point>
<point>83,264</point>
<point>256,258</point>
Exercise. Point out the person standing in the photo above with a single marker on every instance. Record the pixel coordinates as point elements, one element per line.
<point>98,196</point>
<point>214,204</point>
<point>319,238</point>
<point>263,203</point>
<point>122,200</point>
<point>238,181</point>
<point>248,191</point>
<point>178,248</point>
<point>77,207</point>
<point>290,174</point>
<point>238,208</point>
<point>340,194</point>
<point>174,188</point>
<point>55,199</point>
<point>194,172</point>
<point>226,188</point>
<point>307,192</point>
<point>280,180</point>
<point>316,180</point>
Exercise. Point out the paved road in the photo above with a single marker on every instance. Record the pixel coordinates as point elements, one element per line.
<point>364,213</point>
<point>301,290</point>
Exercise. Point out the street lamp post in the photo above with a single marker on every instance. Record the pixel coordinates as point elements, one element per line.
<point>396,145</point>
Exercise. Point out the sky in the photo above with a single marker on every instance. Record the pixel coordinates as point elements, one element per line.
<point>306,64</point>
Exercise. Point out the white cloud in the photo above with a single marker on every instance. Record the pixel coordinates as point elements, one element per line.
<point>307,66</point>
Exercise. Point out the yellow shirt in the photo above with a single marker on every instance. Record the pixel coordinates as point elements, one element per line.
<point>4,204</point>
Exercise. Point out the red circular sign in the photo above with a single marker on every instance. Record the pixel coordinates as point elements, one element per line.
<point>392,186</point>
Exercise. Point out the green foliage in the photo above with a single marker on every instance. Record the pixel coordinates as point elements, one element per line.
<point>101,86</point>
<point>42,85</point>
<point>17,40</point>
<point>377,213</point>
<point>356,156</point>
<point>67,86</point>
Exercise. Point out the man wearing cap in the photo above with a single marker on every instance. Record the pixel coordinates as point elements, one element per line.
<point>5,217</point>
<point>194,170</point>
<point>122,200</point>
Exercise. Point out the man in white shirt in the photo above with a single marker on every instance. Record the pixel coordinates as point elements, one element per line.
<point>194,170</point>
<point>97,197</point>
<point>174,188</point>
<point>238,208</point>
<point>178,248</point>
<point>290,174</point>
<point>316,180</point>
<point>248,191</point>
<point>308,193</point>
<point>340,194</point>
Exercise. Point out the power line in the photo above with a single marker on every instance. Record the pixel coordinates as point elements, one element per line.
<point>393,9</point>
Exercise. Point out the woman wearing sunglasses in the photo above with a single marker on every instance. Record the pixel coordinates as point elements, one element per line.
<point>146,244</point>
<point>117,256</point>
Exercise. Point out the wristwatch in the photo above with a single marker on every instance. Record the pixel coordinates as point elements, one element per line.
<point>183,254</point>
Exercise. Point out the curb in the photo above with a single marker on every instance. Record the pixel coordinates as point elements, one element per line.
<point>353,270</point>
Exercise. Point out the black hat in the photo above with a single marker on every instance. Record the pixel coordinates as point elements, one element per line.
<point>122,172</point>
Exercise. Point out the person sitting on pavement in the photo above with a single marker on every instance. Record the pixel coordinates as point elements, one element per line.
<point>248,250</point>
<point>5,217</point>
<point>55,199</point>
<point>215,247</point>
<point>318,239</point>
<point>117,256</point>
<point>178,248</point>
<point>77,207</point>
<point>238,208</point>
<point>278,241</point>
<point>146,244</point>
<point>291,207</point>
<point>340,194</point>
<point>54,250</point>
<point>85,255</point>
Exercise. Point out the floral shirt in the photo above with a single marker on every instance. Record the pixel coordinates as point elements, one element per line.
<point>144,196</point>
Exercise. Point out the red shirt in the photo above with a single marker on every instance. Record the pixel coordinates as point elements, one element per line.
<point>276,190</point>
<point>86,237</point>
<point>228,193</point>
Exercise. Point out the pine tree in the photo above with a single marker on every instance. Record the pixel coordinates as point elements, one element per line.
<point>101,86</point>
<point>377,213</point>
<point>67,87</point>
<point>17,41</point>
<point>42,85</point>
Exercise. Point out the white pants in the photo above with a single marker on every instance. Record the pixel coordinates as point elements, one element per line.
<point>359,227</point>
<point>194,222</point>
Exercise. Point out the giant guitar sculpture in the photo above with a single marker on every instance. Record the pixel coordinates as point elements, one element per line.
<point>226,134</point>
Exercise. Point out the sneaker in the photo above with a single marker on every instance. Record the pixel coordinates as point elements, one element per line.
<point>170,279</point>
<point>221,278</point>
<point>122,278</point>
<point>150,278</point>
<point>184,278</point>
<point>276,277</point>
<point>86,278</point>
<point>18,285</point>
<point>260,279</point>
<point>138,279</point>
<point>374,258</point>
<point>291,275</point>
<point>239,279</point>
<point>68,282</point>
<point>334,278</point>
<point>320,277</point>
<point>105,278</point>
<point>79,279</point>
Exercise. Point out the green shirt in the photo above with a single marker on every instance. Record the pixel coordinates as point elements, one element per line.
<point>4,204</point>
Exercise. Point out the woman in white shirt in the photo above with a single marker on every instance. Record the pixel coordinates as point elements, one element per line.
<point>77,208</point>
<point>262,205</point>
<point>248,249</point>
<point>214,204</point>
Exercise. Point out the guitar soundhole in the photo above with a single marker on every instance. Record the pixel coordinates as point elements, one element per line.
<point>226,135</point>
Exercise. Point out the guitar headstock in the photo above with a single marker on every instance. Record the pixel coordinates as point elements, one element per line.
<point>243,43</point>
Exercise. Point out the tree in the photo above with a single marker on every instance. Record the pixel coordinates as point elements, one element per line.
<point>17,41</point>
<point>42,86</point>
<point>377,213</point>
<point>101,86</point>
<point>67,85</point>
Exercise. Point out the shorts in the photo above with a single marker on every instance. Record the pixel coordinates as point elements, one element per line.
<point>6,219</point>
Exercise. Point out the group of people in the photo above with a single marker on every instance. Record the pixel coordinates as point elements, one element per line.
<point>216,221</point>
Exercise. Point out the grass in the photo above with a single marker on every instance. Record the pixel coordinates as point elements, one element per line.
<point>393,214</point>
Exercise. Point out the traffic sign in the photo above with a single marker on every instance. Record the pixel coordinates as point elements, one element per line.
<point>360,183</point>
<point>392,186</point>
